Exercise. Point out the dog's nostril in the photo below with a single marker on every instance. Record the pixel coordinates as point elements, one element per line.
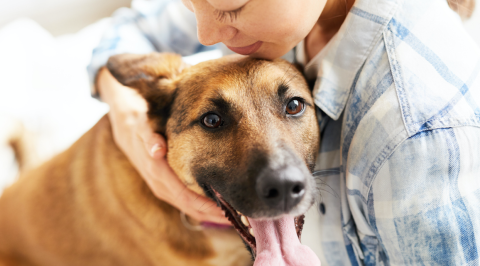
<point>272,193</point>
<point>282,189</point>
<point>297,189</point>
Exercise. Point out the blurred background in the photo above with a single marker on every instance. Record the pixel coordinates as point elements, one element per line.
<point>45,46</point>
<point>59,16</point>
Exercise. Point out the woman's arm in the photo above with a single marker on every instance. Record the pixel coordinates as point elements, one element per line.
<point>146,150</point>
<point>424,202</point>
<point>165,26</point>
<point>149,26</point>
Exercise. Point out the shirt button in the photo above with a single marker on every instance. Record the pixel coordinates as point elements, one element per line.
<point>322,208</point>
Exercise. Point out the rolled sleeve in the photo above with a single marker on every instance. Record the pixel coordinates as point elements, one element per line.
<point>424,202</point>
<point>160,25</point>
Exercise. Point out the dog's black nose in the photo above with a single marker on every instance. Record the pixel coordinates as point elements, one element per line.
<point>281,189</point>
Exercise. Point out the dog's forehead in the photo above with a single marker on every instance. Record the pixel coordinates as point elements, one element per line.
<point>236,75</point>
<point>251,89</point>
<point>239,81</point>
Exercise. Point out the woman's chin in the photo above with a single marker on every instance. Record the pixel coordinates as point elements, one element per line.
<point>270,52</point>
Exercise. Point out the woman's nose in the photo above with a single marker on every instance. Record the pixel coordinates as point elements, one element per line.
<point>211,31</point>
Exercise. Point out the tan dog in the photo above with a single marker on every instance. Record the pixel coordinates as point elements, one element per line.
<point>14,135</point>
<point>241,131</point>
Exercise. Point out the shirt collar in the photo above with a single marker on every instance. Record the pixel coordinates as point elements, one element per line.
<point>340,61</point>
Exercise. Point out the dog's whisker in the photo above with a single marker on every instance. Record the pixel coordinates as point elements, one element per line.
<point>294,76</point>
<point>320,173</point>
<point>330,190</point>
<point>286,72</point>
<point>200,209</point>
<point>178,195</point>
<point>208,207</point>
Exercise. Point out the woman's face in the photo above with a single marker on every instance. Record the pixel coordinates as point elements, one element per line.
<point>259,28</point>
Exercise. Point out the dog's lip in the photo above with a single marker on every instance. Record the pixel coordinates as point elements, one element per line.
<point>234,217</point>
<point>244,231</point>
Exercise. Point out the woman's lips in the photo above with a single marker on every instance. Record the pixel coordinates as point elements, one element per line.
<point>246,50</point>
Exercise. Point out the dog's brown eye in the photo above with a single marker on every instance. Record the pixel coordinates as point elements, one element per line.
<point>212,121</point>
<point>294,106</point>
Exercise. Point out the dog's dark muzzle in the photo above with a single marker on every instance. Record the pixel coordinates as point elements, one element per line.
<point>274,184</point>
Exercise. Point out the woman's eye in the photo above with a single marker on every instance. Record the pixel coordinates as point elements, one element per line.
<point>212,121</point>
<point>294,106</point>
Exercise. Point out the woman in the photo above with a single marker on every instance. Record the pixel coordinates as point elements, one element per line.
<point>397,86</point>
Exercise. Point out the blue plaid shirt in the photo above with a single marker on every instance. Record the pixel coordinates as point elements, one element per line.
<point>398,96</point>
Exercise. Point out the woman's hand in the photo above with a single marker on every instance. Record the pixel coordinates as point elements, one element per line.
<point>146,150</point>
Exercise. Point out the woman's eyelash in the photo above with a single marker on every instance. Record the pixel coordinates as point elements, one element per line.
<point>232,15</point>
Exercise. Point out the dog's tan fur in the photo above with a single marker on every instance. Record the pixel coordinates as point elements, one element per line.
<point>77,209</point>
<point>20,139</point>
<point>89,206</point>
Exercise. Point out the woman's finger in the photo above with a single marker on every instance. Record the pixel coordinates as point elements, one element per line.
<point>155,145</point>
<point>146,150</point>
<point>167,186</point>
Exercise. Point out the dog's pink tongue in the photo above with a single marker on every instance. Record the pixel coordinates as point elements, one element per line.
<point>278,245</point>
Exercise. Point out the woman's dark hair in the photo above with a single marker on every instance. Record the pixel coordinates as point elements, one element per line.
<point>463,7</point>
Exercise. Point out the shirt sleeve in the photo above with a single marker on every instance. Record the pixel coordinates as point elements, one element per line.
<point>148,26</point>
<point>424,202</point>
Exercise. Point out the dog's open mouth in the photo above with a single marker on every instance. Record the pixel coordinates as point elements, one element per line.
<point>243,225</point>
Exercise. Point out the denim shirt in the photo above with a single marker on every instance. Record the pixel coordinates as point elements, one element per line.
<point>400,88</point>
<point>398,96</point>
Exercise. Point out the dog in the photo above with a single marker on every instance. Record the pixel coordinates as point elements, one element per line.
<point>15,140</point>
<point>241,131</point>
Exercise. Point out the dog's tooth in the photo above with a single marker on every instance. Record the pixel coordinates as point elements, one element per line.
<point>244,220</point>
<point>239,213</point>
<point>251,231</point>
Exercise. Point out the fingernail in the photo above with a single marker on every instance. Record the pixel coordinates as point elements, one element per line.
<point>154,149</point>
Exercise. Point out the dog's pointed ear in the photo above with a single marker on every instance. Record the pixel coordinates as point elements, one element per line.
<point>153,76</point>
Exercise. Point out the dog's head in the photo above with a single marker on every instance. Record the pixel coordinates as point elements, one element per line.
<point>242,131</point>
